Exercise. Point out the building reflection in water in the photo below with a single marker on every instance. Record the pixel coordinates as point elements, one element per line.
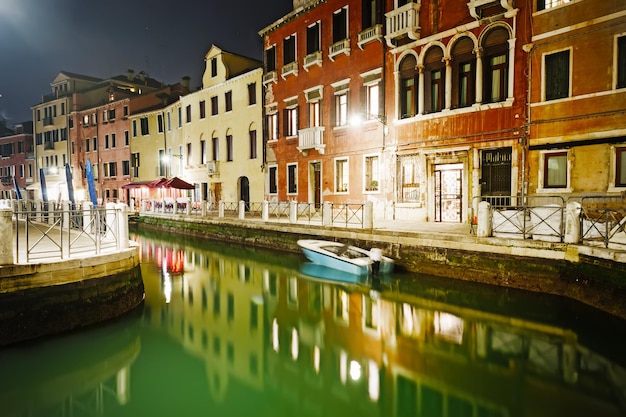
<point>319,347</point>
<point>93,378</point>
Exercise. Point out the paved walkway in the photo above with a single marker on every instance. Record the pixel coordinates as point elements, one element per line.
<point>423,227</point>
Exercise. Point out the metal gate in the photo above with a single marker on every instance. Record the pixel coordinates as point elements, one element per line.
<point>449,193</point>
<point>496,176</point>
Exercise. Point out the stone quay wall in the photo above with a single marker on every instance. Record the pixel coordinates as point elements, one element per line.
<point>66,287</point>
<point>592,275</point>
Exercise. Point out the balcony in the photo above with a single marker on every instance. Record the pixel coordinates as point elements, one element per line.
<point>48,145</point>
<point>338,48</point>
<point>48,121</point>
<point>312,59</point>
<point>476,6</point>
<point>311,138</point>
<point>403,21</point>
<point>375,33</point>
<point>270,77</point>
<point>289,69</point>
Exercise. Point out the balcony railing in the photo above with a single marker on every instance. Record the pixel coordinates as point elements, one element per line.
<point>338,48</point>
<point>476,6</point>
<point>289,69</point>
<point>270,77</point>
<point>375,33</point>
<point>311,138</point>
<point>48,121</point>
<point>403,21</point>
<point>314,58</point>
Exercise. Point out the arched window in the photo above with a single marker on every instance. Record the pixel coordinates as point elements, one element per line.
<point>408,87</point>
<point>463,73</point>
<point>434,80</point>
<point>496,65</point>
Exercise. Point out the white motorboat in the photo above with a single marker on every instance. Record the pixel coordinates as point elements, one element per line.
<point>346,258</point>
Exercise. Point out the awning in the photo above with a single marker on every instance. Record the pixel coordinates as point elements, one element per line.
<point>173,182</point>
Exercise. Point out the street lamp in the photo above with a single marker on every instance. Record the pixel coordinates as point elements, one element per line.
<point>358,119</point>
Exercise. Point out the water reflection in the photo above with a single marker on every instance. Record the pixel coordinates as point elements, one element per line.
<point>230,331</point>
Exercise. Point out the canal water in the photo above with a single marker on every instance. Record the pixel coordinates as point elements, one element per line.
<point>231,331</point>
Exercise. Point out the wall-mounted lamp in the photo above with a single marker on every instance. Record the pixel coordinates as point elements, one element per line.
<point>358,119</point>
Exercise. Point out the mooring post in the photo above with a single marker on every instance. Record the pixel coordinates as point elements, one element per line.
<point>6,230</point>
<point>122,223</point>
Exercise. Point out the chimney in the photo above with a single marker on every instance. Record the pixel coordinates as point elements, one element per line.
<point>185,82</point>
<point>130,74</point>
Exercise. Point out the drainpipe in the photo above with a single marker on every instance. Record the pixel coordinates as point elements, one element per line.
<point>528,48</point>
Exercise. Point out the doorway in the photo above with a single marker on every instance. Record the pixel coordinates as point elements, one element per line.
<point>315,169</point>
<point>244,192</point>
<point>496,176</point>
<point>449,193</point>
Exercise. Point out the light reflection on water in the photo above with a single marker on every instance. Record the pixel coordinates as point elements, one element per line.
<point>230,331</point>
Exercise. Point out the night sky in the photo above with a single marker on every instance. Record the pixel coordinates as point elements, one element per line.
<point>166,39</point>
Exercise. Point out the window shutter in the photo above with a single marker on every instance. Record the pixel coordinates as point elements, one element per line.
<point>363,100</point>
<point>407,66</point>
<point>495,37</point>
<point>463,46</point>
<point>434,56</point>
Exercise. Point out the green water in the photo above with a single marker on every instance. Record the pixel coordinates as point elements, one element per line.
<point>226,331</point>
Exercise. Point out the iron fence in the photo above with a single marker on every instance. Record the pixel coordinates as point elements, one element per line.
<point>537,217</point>
<point>347,214</point>
<point>602,218</point>
<point>64,233</point>
<point>309,212</point>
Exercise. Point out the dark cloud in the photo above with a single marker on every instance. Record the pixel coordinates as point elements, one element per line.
<point>167,39</point>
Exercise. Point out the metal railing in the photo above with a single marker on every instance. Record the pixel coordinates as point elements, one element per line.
<point>48,231</point>
<point>602,218</point>
<point>538,217</point>
<point>330,214</point>
<point>347,214</point>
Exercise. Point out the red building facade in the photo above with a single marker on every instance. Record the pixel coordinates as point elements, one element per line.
<point>17,163</point>
<point>324,68</point>
<point>458,104</point>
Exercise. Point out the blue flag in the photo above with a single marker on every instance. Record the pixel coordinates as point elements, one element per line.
<point>70,185</point>
<point>18,193</point>
<point>91,184</point>
<point>44,190</point>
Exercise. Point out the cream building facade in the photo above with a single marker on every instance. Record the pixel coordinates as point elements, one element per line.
<point>219,146</point>
<point>211,138</point>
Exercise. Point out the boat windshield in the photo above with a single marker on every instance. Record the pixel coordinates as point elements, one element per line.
<point>344,251</point>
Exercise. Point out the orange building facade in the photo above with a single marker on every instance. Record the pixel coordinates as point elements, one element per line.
<point>577,120</point>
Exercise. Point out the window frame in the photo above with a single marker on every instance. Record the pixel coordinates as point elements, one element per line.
<point>291,121</point>
<point>544,177</point>
<point>272,127</point>
<point>272,179</point>
<point>292,178</point>
<point>341,185</point>
<point>552,90</point>
<point>620,159</point>
<point>252,135</point>
<point>229,148</point>
<point>341,108</point>
<point>228,101</point>
<point>371,173</point>
<point>620,61</point>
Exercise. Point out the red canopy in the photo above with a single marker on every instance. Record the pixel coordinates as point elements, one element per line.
<point>176,182</point>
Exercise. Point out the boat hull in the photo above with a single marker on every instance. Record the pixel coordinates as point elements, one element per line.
<point>342,257</point>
